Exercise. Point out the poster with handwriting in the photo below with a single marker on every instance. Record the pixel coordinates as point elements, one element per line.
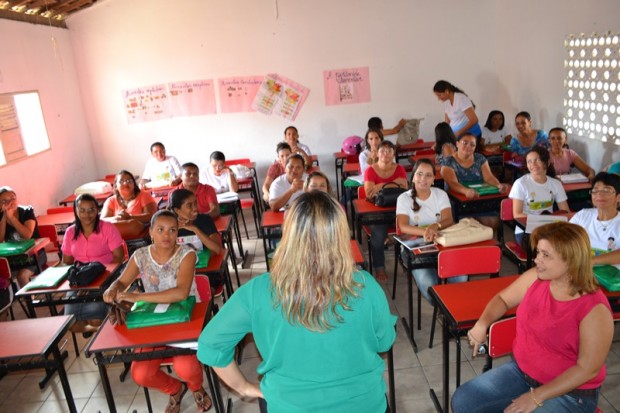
<point>280,96</point>
<point>344,86</point>
<point>147,103</point>
<point>192,98</point>
<point>237,93</point>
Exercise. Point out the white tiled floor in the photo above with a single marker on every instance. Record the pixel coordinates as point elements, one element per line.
<point>415,373</point>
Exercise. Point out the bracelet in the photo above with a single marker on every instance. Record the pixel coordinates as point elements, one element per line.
<point>539,404</point>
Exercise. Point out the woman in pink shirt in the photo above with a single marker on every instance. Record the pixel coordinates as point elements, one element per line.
<point>563,158</point>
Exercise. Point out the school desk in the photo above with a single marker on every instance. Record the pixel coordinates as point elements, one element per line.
<point>217,266</point>
<point>462,206</point>
<point>33,253</point>
<point>223,225</point>
<point>409,149</point>
<point>367,213</point>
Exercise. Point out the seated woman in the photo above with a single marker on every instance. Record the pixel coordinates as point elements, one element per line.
<point>129,204</point>
<point>312,299</point>
<point>17,222</point>
<point>291,136</point>
<point>283,150</point>
<point>526,137</point>
<point>286,188</point>
<point>535,193</point>
<point>468,167</point>
<point>317,181</point>
<point>205,194</point>
<point>493,131</point>
<point>423,211</point>
<point>564,332</point>
<point>88,240</point>
<point>218,175</point>
<point>445,142</point>
<point>382,172</point>
<point>196,230</point>
<point>602,223</point>
<point>369,155</point>
<point>161,170</point>
<point>563,158</point>
<point>168,276</point>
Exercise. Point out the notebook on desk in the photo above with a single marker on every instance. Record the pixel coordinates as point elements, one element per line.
<point>483,188</point>
<point>50,277</point>
<point>415,244</point>
<point>15,247</point>
<point>572,178</point>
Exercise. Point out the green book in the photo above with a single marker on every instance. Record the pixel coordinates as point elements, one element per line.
<point>50,277</point>
<point>15,247</point>
<point>483,188</point>
<point>145,314</point>
<point>608,276</point>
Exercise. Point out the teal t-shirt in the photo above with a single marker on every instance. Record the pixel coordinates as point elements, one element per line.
<point>339,370</point>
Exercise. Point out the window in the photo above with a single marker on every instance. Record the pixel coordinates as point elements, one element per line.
<point>22,127</point>
<point>592,84</point>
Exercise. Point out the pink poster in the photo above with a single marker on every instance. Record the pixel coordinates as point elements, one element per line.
<point>280,96</point>
<point>343,86</point>
<point>144,104</point>
<point>192,98</point>
<point>237,93</point>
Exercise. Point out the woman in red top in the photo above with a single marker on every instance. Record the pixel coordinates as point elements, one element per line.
<point>380,173</point>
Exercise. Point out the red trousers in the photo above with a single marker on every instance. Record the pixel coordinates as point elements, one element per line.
<point>149,373</point>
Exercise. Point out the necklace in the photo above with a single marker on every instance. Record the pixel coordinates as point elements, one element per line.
<point>605,223</point>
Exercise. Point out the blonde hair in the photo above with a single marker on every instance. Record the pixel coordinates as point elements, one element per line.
<point>312,267</point>
<point>572,243</point>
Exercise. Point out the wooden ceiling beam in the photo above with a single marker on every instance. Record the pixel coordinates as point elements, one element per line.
<point>30,18</point>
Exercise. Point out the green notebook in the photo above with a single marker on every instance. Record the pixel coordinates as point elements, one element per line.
<point>608,276</point>
<point>203,258</point>
<point>15,247</point>
<point>483,188</point>
<point>51,277</point>
<point>145,314</point>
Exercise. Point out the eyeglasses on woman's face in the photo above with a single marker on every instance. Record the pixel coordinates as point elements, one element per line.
<point>602,191</point>
<point>471,144</point>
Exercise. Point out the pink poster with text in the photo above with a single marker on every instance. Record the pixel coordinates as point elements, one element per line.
<point>344,86</point>
<point>237,93</point>
<point>192,98</point>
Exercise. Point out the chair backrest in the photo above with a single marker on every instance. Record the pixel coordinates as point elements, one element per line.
<point>506,156</point>
<point>353,158</point>
<point>59,210</point>
<point>49,231</point>
<point>469,261</point>
<point>204,287</point>
<point>240,161</point>
<point>501,336</point>
<point>361,192</point>
<point>5,269</point>
<point>505,210</point>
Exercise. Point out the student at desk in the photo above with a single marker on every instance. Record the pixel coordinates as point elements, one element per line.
<point>317,181</point>
<point>90,239</point>
<point>527,137</point>
<point>445,142</point>
<point>318,324</point>
<point>563,158</point>
<point>423,211</point>
<point>291,136</point>
<point>17,222</point>
<point>564,330</point>
<point>289,186</point>
<point>377,124</point>
<point>602,223</point>
<point>160,169</point>
<point>283,150</point>
<point>370,155</point>
<point>129,203</point>
<point>168,276</point>
<point>205,194</point>
<point>535,193</point>
<point>218,175</point>
<point>384,171</point>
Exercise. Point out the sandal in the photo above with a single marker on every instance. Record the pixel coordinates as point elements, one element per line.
<point>174,402</point>
<point>202,399</point>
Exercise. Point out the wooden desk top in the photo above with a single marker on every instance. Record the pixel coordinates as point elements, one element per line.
<point>362,207</point>
<point>65,287</point>
<point>215,263</point>
<point>272,219</point>
<point>465,302</point>
<point>32,336</point>
<point>111,337</point>
<point>340,155</point>
<point>99,197</point>
<point>62,218</point>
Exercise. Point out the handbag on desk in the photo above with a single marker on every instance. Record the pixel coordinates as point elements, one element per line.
<point>387,196</point>
<point>467,231</point>
<point>81,274</point>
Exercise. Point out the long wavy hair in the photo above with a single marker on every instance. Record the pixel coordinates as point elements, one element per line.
<point>312,271</point>
<point>443,134</point>
<point>545,158</point>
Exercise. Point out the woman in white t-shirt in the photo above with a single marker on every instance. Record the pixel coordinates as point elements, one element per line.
<point>459,110</point>
<point>494,130</point>
<point>423,211</point>
<point>218,175</point>
<point>535,193</point>
<point>291,136</point>
<point>370,154</point>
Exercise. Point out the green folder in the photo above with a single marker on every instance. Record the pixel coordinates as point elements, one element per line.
<point>203,258</point>
<point>608,276</point>
<point>51,277</point>
<point>15,247</point>
<point>483,188</point>
<point>143,314</point>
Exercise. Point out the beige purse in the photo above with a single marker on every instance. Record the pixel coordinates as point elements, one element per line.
<point>467,231</point>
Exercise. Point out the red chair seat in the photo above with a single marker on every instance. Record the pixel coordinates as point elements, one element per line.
<point>516,249</point>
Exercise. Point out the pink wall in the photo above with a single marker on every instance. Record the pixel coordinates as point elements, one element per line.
<point>31,60</point>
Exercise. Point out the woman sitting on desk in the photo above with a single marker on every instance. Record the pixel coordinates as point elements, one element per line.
<point>526,137</point>
<point>535,193</point>
<point>602,223</point>
<point>17,222</point>
<point>129,203</point>
<point>384,171</point>
<point>564,332</point>
<point>196,230</point>
<point>423,211</point>
<point>318,324</point>
<point>563,158</point>
<point>468,167</point>
<point>168,276</point>
<point>88,240</point>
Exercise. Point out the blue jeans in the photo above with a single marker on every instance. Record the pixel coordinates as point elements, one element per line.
<point>494,390</point>
<point>427,277</point>
<point>377,238</point>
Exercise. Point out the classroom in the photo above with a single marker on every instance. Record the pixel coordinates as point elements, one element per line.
<point>505,55</point>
